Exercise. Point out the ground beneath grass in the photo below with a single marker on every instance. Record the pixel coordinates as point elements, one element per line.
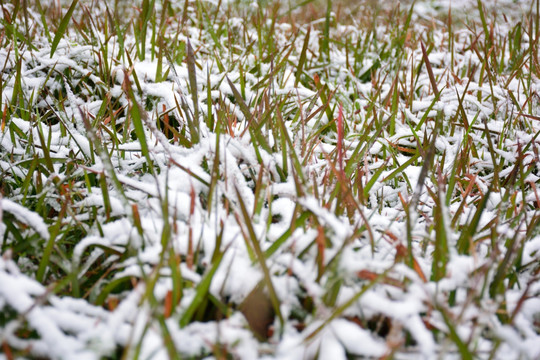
<point>270,180</point>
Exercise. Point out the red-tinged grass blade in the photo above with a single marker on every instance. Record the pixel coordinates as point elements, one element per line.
<point>418,269</point>
<point>463,204</point>
<point>321,246</point>
<point>137,218</point>
<point>429,70</point>
<point>168,304</point>
<point>62,27</point>
<point>7,350</point>
<point>4,114</point>
<point>370,276</point>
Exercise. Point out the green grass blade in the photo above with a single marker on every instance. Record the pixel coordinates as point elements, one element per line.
<point>302,60</point>
<point>192,68</point>
<point>201,293</point>
<point>467,234</point>
<point>138,116</point>
<point>62,27</point>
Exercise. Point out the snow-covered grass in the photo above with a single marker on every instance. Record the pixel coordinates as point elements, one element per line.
<point>265,180</point>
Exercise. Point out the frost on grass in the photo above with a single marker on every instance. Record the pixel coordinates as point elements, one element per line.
<point>141,220</point>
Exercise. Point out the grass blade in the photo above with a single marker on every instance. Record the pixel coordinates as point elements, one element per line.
<point>192,68</point>
<point>262,260</point>
<point>201,292</point>
<point>62,27</point>
<point>429,70</point>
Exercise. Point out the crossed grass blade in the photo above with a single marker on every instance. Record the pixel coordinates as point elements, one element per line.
<point>202,294</point>
<point>261,259</point>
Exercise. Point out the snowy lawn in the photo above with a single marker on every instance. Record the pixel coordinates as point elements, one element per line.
<point>263,180</point>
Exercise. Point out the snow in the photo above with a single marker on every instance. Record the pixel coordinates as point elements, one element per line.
<point>172,205</point>
<point>356,340</point>
<point>25,216</point>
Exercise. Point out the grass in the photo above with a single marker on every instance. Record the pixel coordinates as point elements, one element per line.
<point>309,179</point>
